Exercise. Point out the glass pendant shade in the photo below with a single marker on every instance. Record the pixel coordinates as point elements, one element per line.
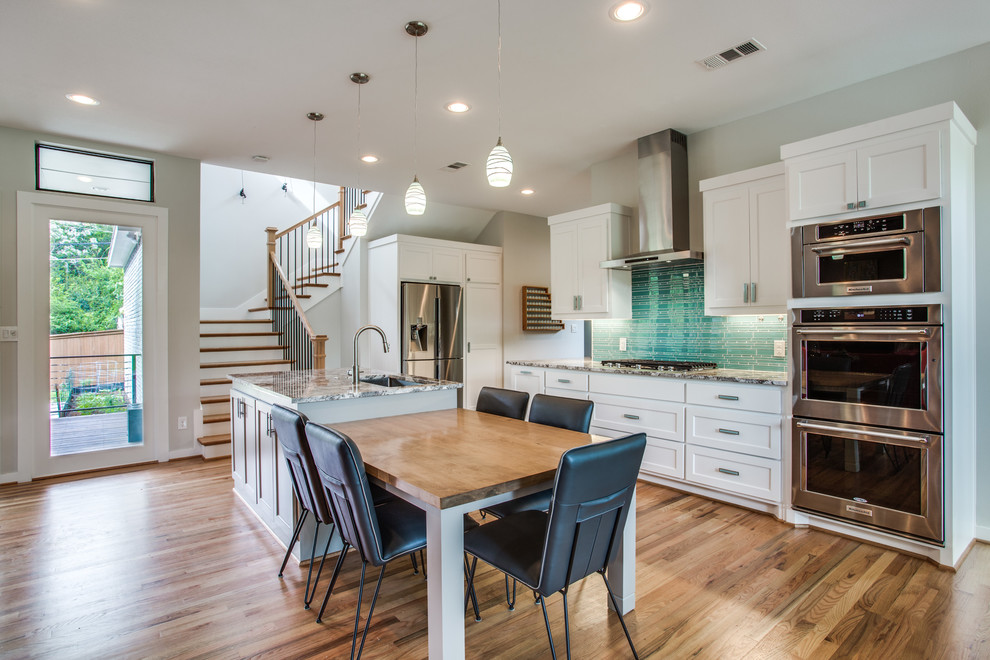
<point>314,237</point>
<point>499,166</point>
<point>415,198</point>
<point>358,223</point>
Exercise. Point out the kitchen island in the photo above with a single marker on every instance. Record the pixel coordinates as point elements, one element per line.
<point>328,396</point>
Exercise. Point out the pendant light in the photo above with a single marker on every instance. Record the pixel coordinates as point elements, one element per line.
<point>415,195</point>
<point>358,222</point>
<point>499,166</point>
<point>314,237</point>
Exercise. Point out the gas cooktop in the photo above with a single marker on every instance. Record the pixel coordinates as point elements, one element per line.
<point>660,365</point>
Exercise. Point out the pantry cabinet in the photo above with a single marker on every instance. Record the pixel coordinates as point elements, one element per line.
<point>746,242</point>
<point>579,242</point>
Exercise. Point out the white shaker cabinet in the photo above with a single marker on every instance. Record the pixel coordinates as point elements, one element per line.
<point>482,267</point>
<point>900,168</point>
<point>482,339</point>
<point>430,263</point>
<point>746,242</point>
<point>579,242</point>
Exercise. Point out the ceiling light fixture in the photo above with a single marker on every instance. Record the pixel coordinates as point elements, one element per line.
<point>358,222</point>
<point>314,237</point>
<point>415,195</point>
<point>369,158</point>
<point>82,99</point>
<point>457,107</point>
<point>499,166</point>
<point>625,12</point>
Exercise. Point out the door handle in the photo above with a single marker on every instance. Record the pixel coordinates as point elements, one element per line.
<point>745,292</point>
<point>628,416</point>
<point>728,431</point>
<point>920,332</point>
<point>734,473</point>
<point>921,439</point>
<point>857,246</point>
<point>728,397</point>
<point>752,289</point>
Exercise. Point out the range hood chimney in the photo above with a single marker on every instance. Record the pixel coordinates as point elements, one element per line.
<point>664,229</point>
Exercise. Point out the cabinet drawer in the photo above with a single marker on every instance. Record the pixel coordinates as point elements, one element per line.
<point>567,380</point>
<point>662,457</point>
<point>734,473</point>
<point>570,394</point>
<point>738,396</point>
<point>659,419</point>
<point>750,433</point>
<point>648,387</point>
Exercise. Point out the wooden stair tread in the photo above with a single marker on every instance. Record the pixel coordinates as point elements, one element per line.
<point>240,334</point>
<point>234,349</point>
<point>234,365</point>
<point>220,398</point>
<point>237,321</point>
<point>214,381</point>
<point>321,285</point>
<point>219,417</point>
<point>211,440</point>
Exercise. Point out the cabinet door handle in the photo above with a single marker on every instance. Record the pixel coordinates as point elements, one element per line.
<point>574,303</point>
<point>563,380</point>
<point>526,372</point>
<point>628,416</point>
<point>469,347</point>
<point>734,473</point>
<point>745,292</point>
<point>862,204</point>
<point>752,289</point>
<point>469,279</point>
<point>728,397</point>
<point>850,206</point>
<point>728,431</point>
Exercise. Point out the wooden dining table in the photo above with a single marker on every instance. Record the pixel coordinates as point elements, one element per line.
<point>451,462</point>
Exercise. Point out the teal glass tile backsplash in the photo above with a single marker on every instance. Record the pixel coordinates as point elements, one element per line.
<point>669,323</point>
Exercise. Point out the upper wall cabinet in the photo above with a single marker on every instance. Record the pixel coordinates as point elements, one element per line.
<point>431,263</point>
<point>746,242</point>
<point>482,267</point>
<point>900,168</point>
<point>579,242</point>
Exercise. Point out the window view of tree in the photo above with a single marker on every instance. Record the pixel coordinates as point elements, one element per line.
<point>86,293</point>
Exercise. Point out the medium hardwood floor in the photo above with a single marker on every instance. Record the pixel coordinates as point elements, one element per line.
<point>164,562</point>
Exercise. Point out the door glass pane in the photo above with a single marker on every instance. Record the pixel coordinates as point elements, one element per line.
<point>862,267</point>
<point>882,373</point>
<point>95,370</point>
<point>876,473</point>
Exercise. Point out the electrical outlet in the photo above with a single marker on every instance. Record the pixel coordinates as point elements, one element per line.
<point>8,333</point>
<point>183,423</point>
<point>622,343</point>
<point>779,348</point>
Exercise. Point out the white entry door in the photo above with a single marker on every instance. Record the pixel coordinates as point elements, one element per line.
<point>90,400</point>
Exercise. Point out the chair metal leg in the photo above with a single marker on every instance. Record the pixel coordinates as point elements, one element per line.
<point>295,537</point>
<point>333,580</point>
<point>319,572</point>
<point>412,558</point>
<point>567,625</point>
<point>357,617</point>
<point>469,574</point>
<point>510,602</point>
<point>546,620</point>
<point>422,560</point>
<point>615,606</point>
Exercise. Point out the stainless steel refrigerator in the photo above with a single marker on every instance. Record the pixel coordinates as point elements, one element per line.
<point>432,324</point>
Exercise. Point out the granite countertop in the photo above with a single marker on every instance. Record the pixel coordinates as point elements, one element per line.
<point>331,384</point>
<point>723,375</point>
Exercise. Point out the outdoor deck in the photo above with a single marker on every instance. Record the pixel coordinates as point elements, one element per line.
<point>74,435</point>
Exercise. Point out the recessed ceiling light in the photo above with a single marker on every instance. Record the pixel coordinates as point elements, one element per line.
<point>627,11</point>
<point>526,191</point>
<point>369,158</point>
<point>458,106</point>
<point>260,158</point>
<point>82,99</point>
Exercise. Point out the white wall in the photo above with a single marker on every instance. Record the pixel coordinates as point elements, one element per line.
<point>525,243</point>
<point>963,78</point>
<point>176,188</point>
<point>232,230</point>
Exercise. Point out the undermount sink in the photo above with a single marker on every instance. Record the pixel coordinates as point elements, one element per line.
<point>388,381</point>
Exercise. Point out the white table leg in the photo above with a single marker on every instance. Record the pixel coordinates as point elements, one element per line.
<point>622,571</point>
<point>445,583</point>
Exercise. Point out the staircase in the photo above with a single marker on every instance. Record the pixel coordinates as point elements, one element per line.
<point>230,346</point>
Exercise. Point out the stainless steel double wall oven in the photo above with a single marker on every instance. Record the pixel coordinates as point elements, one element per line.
<point>868,410</point>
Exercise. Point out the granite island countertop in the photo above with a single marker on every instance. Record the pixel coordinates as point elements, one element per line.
<point>314,385</point>
<point>778,378</point>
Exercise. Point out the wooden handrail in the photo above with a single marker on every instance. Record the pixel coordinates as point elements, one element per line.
<point>319,341</point>
<point>307,220</point>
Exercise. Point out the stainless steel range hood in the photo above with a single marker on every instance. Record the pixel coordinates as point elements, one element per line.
<point>664,229</point>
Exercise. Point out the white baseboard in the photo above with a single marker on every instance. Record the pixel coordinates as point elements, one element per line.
<point>183,453</point>
<point>982,533</point>
<point>9,478</point>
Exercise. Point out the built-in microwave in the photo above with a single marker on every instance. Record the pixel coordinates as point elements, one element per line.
<point>894,253</point>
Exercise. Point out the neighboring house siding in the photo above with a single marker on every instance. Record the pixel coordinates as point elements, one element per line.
<point>132,321</point>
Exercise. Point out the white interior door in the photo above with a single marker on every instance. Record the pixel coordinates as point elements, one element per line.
<point>51,442</point>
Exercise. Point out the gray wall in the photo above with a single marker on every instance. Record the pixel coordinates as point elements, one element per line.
<point>177,188</point>
<point>963,78</point>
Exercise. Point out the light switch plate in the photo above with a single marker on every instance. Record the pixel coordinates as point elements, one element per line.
<point>622,343</point>
<point>183,423</point>
<point>779,348</point>
<point>8,333</point>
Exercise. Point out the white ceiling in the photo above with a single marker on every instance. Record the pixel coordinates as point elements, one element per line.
<point>221,80</point>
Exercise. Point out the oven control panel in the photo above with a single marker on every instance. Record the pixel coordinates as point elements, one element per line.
<point>862,227</point>
<point>927,314</point>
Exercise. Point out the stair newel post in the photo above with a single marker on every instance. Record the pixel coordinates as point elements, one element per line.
<point>320,352</point>
<point>271,231</point>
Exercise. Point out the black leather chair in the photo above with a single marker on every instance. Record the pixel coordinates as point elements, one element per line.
<point>290,431</point>
<point>379,533</point>
<point>579,536</point>
<point>507,403</point>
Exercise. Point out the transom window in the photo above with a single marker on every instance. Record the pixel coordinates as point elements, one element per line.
<point>63,169</point>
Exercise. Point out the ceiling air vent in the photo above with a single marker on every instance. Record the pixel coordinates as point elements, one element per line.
<point>456,165</point>
<point>742,50</point>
